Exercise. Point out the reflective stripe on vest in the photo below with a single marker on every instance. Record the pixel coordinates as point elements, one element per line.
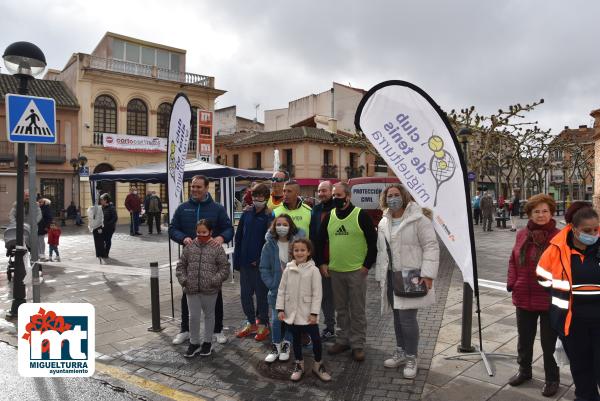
<point>347,242</point>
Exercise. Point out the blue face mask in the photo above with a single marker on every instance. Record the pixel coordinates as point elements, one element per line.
<point>587,239</point>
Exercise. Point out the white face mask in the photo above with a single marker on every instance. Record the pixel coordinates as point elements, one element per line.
<point>259,204</point>
<point>282,231</point>
<point>135,192</point>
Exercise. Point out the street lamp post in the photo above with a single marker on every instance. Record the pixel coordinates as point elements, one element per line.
<point>464,134</point>
<point>77,164</point>
<point>25,61</point>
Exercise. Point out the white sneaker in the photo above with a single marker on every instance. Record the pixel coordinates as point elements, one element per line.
<point>274,353</point>
<point>58,258</point>
<point>284,351</point>
<point>410,369</point>
<point>180,338</point>
<point>220,338</point>
<point>397,359</point>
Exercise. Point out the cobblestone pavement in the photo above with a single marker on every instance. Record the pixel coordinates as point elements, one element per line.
<point>235,370</point>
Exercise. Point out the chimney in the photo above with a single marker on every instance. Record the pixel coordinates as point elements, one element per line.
<point>583,127</point>
<point>332,126</point>
<point>566,127</point>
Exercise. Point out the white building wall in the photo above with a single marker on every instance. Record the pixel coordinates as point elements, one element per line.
<point>225,121</point>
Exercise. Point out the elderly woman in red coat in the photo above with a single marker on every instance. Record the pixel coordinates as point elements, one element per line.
<point>531,299</point>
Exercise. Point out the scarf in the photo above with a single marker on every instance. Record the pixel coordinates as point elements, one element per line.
<point>537,236</point>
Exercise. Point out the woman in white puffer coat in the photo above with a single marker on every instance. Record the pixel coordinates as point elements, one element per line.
<point>413,245</point>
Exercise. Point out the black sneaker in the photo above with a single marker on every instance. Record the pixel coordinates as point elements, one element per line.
<point>327,334</point>
<point>193,350</point>
<point>206,349</point>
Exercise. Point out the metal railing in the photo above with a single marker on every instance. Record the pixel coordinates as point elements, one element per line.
<point>329,171</point>
<point>97,139</point>
<point>127,67</point>
<point>192,146</point>
<point>7,151</point>
<point>51,153</point>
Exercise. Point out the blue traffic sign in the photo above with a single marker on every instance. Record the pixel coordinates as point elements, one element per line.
<point>471,176</point>
<point>30,119</point>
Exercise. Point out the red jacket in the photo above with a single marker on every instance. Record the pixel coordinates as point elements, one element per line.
<point>133,203</point>
<point>522,280</point>
<point>53,236</point>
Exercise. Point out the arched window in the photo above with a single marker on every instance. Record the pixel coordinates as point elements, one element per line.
<point>137,118</point>
<point>105,114</point>
<point>163,114</point>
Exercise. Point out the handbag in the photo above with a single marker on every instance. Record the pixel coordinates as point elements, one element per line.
<point>405,282</point>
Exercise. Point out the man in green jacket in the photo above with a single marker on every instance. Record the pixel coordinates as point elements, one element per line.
<point>293,207</point>
<point>352,240</point>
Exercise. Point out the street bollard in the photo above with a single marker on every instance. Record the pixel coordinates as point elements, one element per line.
<point>154,298</point>
<point>35,280</point>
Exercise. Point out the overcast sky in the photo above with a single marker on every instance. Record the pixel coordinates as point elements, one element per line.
<point>482,53</point>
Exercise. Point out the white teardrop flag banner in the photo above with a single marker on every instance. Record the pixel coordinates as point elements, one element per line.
<point>414,137</point>
<point>177,147</point>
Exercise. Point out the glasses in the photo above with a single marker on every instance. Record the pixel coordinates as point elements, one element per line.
<point>275,179</point>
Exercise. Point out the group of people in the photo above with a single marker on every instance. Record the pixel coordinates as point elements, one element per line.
<point>152,209</point>
<point>554,278</point>
<point>295,261</point>
<point>46,225</point>
<point>484,209</point>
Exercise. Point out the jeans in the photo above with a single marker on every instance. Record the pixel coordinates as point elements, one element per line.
<point>251,284</point>
<point>279,330</point>
<point>349,297</point>
<point>583,349</point>
<point>185,314</point>
<point>527,322</point>
<point>313,331</point>
<point>55,249</point>
<point>327,304</point>
<point>406,326</point>
<point>201,304</point>
<point>41,246</point>
<point>107,237</point>
<point>134,225</point>
<point>477,215</point>
<point>154,218</point>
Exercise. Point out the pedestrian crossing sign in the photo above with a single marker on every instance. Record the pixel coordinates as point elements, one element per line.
<point>30,119</point>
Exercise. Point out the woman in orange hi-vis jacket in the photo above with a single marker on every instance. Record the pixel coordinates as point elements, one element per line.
<point>570,268</point>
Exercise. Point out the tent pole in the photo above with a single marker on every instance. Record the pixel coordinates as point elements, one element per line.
<point>171,280</point>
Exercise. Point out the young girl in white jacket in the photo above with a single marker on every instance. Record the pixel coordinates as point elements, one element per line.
<point>298,305</point>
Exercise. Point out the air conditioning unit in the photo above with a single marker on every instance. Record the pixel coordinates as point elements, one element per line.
<point>589,188</point>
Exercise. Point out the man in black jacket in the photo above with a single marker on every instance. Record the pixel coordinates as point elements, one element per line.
<point>352,244</point>
<point>319,212</point>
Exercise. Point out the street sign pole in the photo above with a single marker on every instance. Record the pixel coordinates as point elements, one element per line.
<point>31,162</point>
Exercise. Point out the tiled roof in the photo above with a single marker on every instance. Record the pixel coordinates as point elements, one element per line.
<point>297,134</point>
<point>56,90</point>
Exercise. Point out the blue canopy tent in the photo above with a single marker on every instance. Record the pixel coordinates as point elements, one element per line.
<point>155,173</point>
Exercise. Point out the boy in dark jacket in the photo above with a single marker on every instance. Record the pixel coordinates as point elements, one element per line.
<point>183,231</point>
<point>249,241</point>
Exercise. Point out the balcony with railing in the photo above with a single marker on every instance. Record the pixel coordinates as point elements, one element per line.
<point>7,151</point>
<point>354,172</point>
<point>329,171</point>
<point>143,70</point>
<point>51,153</point>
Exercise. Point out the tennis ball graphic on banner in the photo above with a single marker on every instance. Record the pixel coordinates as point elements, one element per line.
<point>436,144</point>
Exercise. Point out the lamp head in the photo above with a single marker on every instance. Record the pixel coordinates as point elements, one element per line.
<point>464,134</point>
<point>24,58</point>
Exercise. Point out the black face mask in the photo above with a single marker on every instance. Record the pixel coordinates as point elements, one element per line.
<point>339,203</point>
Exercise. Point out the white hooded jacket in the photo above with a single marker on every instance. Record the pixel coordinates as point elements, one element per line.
<point>413,245</point>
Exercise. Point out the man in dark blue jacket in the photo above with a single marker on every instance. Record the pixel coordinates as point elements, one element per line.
<point>249,241</point>
<point>183,231</point>
<point>319,212</point>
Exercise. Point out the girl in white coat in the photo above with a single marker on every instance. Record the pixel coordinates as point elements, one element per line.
<point>408,236</point>
<point>299,303</point>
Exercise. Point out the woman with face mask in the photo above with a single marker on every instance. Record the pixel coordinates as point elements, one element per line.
<point>570,268</point>
<point>406,243</point>
<point>531,300</point>
<point>274,257</point>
